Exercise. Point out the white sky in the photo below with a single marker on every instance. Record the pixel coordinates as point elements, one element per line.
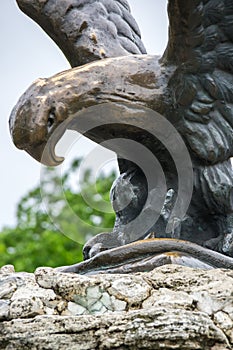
<point>27,53</point>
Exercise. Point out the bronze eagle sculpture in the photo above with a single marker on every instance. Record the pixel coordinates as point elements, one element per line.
<point>191,85</point>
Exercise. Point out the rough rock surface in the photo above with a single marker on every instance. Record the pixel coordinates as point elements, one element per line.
<point>169,308</point>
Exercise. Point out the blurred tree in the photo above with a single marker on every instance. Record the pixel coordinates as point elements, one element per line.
<point>37,239</point>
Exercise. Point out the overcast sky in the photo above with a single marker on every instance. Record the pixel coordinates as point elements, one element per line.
<point>27,53</point>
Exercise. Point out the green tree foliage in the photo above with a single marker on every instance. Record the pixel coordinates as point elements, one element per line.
<point>38,239</point>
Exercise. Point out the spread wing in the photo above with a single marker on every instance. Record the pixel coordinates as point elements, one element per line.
<point>87,30</point>
<point>201,49</point>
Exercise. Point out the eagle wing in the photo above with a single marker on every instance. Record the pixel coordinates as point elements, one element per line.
<point>200,48</point>
<point>87,30</point>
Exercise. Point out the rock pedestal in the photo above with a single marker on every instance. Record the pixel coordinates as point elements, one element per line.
<point>172,307</point>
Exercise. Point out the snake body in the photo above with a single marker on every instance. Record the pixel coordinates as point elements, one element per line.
<point>148,254</point>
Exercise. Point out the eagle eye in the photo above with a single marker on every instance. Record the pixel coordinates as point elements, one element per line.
<point>51,119</point>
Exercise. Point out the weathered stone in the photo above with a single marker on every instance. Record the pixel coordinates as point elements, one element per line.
<point>106,300</point>
<point>208,303</point>
<point>151,329</point>
<point>4,309</point>
<point>118,305</point>
<point>93,292</point>
<point>133,290</point>
<point>9,283</point>
<point>168,308</point>
<point>7,287</point>
<point>164,296</point>
<point>76,309</point>
<point>34,291</point>
<point>96,307</point>
<point>7,269</point>
<point>20,308</point>
<point>225,323</point>
<point>51,279</point>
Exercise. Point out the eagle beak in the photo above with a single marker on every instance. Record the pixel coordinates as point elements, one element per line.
<point>44,154</point>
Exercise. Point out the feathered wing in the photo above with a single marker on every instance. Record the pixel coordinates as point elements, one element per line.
<point>199,98</point>
<point>87,30</point>
<point>201,49</point>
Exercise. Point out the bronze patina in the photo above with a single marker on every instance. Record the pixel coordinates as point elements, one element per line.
<point>191,85</point>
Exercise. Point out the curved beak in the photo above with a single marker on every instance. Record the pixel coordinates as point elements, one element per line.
<point>31,134</point>
<point>44,154</point>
